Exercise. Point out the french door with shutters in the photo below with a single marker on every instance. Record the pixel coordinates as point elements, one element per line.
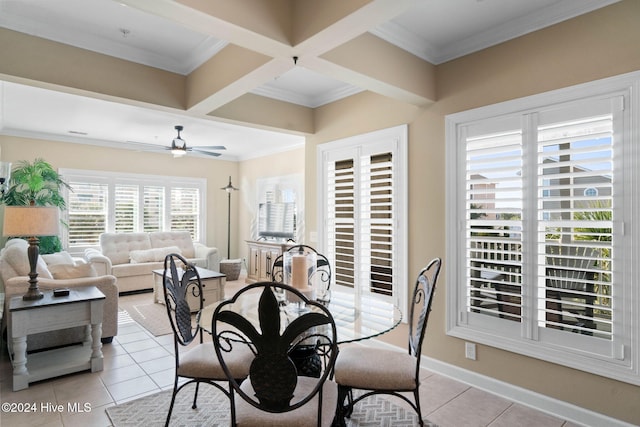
<point>362,216</point>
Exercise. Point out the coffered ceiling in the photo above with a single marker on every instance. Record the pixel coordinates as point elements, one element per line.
<point>249,47</point>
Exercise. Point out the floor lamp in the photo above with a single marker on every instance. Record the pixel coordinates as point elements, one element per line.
<point>229,188</point>
<point>31,222</point>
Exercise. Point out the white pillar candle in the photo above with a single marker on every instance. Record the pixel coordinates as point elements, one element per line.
<point>299,277</point>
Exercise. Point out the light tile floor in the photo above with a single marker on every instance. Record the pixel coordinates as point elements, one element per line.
<point>137,364</point>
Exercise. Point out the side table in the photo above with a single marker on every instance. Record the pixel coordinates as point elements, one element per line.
<point>82,307</point>
<point>212,288</point>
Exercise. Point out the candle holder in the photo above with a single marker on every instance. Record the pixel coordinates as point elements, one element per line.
<point>299,272</point>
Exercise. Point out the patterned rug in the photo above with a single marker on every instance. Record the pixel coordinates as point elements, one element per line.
<point>213,410</point>
<point>148,314</point>
<point>153,316</point>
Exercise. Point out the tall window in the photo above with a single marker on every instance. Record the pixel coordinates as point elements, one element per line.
<point>107,202</point>
<point>540,192</point>
<point>363,212</point>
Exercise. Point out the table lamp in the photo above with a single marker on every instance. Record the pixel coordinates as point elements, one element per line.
<point>31,222</point>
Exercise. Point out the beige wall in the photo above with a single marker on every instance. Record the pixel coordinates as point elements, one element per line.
<point>590,47</point>
<point>594,46</point>
<point>78,156</point>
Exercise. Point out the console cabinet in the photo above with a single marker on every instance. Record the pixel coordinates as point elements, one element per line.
<point>262,255</point>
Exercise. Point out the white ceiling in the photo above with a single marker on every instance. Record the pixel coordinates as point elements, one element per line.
<point>434,30</point>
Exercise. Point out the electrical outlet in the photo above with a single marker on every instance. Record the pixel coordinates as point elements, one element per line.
<point>470,350</point>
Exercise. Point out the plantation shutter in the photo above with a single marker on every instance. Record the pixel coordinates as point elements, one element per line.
<point>542,195</point>
<point>494,200</point>
<point>102,202</point>
<point>341,219</point>
<point>552,170</point>
<point>360,221</point>
<point>575,179</point>
<point>363,213</point>
<point>153,209</point>
<point>376,224</point>
<point>185,208</point>
<point>126,208</point>
<point>87,210</point>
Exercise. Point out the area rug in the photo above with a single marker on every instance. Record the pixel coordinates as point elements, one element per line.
<point>213,410</point>
<point>148,314</point>
<point>153,316</point>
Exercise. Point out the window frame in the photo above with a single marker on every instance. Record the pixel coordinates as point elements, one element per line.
<point>113,179</point>
<point>622,360</point>
<point>394,140</point>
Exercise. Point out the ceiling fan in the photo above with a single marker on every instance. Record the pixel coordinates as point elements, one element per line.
<point>179,146</point>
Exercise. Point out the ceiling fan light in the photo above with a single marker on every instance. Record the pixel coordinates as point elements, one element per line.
<point>178,145</point>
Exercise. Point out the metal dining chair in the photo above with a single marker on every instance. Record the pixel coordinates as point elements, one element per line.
<point>275,394</point>
<point>383,371</point>
<point>198,363</point>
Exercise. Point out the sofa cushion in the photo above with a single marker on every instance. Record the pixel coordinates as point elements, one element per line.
<point>71,271</point>
<point>116,246</point>
<point>62,257</point>
<point>153,254</point>
<point>15,255</point>
<point>181,239</point>
<point>141,269</point>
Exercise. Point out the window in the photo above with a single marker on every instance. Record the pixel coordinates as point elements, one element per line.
<point>539,256</point>
<point>590,192</point>
<point>107,202</point>
<point>363,212</point>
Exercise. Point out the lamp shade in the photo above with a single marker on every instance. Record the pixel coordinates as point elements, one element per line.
<point>28,221</point>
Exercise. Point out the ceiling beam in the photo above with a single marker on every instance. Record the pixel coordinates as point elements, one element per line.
<point>283,29</point>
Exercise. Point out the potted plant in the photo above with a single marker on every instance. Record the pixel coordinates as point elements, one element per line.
<point>37,184</point>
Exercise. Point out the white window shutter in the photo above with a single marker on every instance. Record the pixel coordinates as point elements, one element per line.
<point>87,213</point>
<point>542,235</point>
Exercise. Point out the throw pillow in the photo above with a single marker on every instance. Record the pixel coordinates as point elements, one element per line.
<point>152,255</point>
<point>62,257</point>
<point>15,254</point>
<point>70,271</point>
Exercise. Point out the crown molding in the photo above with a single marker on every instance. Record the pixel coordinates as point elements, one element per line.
<point>529,23</point>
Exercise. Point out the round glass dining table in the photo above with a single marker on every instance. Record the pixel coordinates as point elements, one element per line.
<point>365,318</point>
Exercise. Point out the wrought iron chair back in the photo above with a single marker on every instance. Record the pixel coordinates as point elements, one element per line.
<point>180,278</point>
<point>273,378</point>
<point>323,274</point>
<point>421,307</point>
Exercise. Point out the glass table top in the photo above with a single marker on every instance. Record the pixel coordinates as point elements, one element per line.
<point>355,320</point>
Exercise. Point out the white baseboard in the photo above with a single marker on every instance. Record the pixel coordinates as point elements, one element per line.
<point>540,402</point>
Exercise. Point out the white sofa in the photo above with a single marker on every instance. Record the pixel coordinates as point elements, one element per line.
<point>131,257</point>
<point>58,270</point>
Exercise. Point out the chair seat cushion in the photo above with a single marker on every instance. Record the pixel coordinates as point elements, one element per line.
<point>306,415</point>
<point>375,369</point>
<point>201,362</point>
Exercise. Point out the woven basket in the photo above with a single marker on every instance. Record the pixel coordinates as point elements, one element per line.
<point>231,268</point>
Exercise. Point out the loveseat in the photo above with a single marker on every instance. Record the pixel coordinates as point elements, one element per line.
<point>59,270</point>
<point>131,257</point>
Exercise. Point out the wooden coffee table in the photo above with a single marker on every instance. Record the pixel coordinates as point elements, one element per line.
<point>212,288</point>
<point>82,307</point>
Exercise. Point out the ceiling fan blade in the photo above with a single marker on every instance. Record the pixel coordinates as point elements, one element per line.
<point>208,153</point>
<point>210,147</point>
